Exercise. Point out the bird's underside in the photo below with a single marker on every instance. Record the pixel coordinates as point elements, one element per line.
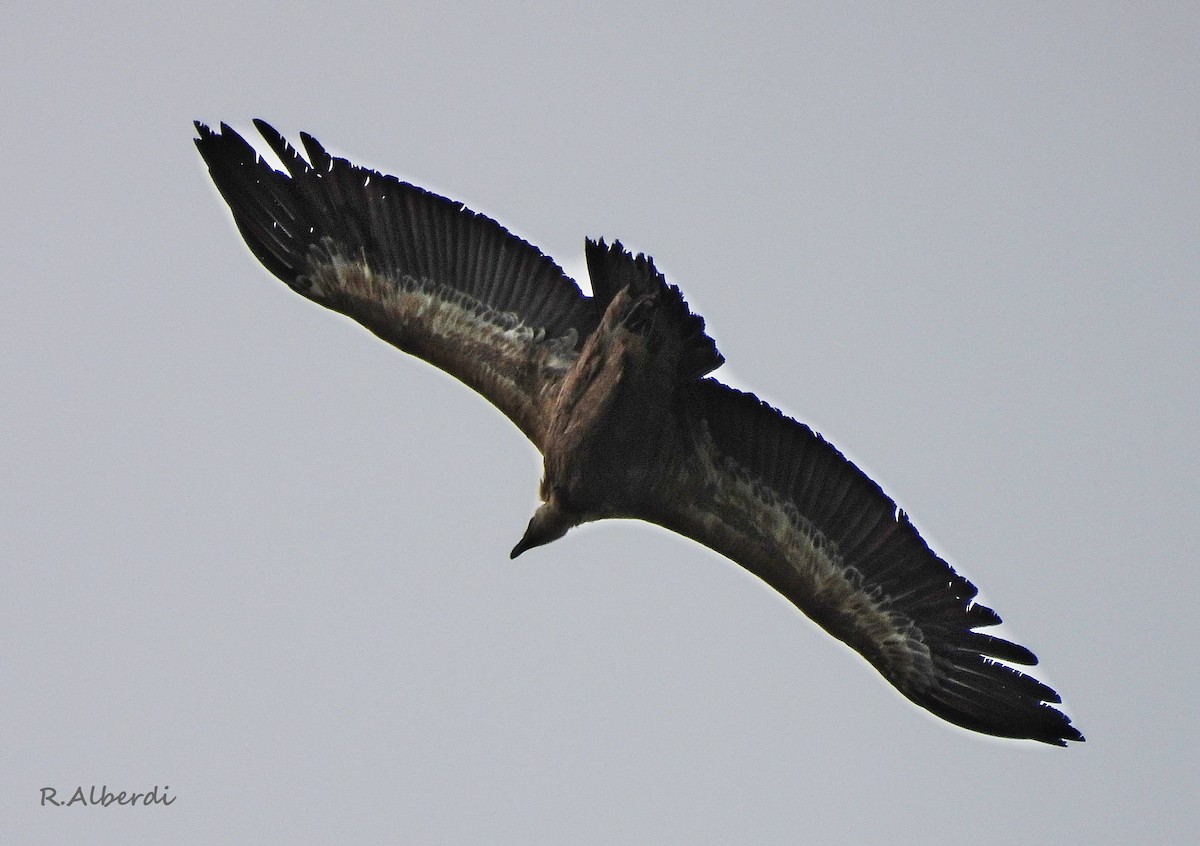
<point>613,389</point>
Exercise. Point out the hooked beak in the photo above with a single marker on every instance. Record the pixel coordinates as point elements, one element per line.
<point>522,545</point>
<point>549,523</point>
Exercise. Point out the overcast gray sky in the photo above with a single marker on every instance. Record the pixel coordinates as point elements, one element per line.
<point>256,557</point>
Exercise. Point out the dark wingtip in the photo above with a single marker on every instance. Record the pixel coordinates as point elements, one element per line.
<point>265,128</point>
<point>993,698</point>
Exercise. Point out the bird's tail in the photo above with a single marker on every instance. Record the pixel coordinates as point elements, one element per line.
<point>612,268</point>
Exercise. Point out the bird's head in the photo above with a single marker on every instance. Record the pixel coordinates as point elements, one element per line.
<point>549,523</point>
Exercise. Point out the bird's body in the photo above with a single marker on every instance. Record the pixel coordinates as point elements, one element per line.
<point>613,390</point>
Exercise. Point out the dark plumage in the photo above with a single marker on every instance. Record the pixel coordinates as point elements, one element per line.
<point>613,390</point>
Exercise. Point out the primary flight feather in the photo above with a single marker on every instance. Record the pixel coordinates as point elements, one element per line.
<point>613,390</point>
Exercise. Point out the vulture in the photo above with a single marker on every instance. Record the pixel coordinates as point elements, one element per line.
<point>613,390</point>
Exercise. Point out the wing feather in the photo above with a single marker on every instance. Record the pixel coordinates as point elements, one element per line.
<point>778,499</point>
<point>423,272</point>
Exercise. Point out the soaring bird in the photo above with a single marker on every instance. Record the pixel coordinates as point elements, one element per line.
<point>613,390</point>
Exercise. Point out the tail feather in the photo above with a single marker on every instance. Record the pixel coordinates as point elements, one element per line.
<point>612,268</point>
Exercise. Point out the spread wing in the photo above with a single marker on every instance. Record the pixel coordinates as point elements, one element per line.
<point>778,499</point>
<point>422,272</point>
